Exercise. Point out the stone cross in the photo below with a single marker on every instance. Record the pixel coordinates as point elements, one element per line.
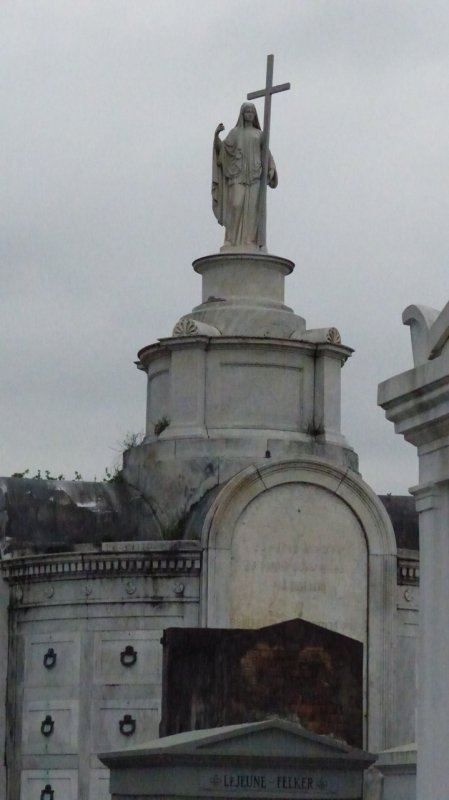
<point>266,92</point>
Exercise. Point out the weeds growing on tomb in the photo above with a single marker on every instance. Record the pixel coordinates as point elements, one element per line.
<point>161,425</point>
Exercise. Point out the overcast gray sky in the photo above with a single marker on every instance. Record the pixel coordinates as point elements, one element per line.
<point>109,108</point>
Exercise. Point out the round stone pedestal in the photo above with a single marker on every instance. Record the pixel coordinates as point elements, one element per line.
<point>243,294</point>
<point>244,277</point>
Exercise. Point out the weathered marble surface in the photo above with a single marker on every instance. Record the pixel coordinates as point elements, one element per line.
<point>244,387</point>
<point>87,652</point>
<point>240,380</point>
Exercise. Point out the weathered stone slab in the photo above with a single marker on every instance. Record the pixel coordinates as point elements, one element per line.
<point>295,670</point>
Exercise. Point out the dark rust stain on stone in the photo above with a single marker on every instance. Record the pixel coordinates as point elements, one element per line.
<point>296,670</point>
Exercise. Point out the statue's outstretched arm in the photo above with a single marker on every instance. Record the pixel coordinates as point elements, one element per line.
<point>217,140</point>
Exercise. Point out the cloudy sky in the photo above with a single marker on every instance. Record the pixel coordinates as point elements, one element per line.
<point>109,107</point>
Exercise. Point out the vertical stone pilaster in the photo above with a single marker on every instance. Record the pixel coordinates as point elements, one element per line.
<point>328,391</point>
<point>432,502</point>
<point>187,398</point>
<point>381,706</point>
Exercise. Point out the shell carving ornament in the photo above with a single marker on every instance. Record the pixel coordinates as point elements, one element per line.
<point>333,336</point>
<point>185,327</point>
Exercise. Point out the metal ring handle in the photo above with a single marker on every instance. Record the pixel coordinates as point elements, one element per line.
<point>127,725</point>
<point>128,656</point>
<point>47,726</point>
<point>50,658</point>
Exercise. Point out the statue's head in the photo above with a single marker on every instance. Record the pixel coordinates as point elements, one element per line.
<point>248,113</point>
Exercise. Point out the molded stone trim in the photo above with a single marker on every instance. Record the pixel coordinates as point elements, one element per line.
<point>417,401</point>
<point>247,484</point>
<point>427,496</point>
<point>82,565</point>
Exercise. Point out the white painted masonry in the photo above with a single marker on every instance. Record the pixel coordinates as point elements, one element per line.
<point>417,402</point>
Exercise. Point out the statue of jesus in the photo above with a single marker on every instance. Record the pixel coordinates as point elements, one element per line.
<point>236,180</point>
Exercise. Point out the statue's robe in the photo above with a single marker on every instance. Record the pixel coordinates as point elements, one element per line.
<point>237,171</point>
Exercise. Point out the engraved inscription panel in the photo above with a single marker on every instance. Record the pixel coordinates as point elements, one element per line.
<point>309,782</point>
<point>299,551</point>
<point>305,782</point>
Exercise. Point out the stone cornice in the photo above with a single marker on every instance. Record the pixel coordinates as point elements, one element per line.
<point>417,401</point>
<point>161,562</point>
<point>148,354</point>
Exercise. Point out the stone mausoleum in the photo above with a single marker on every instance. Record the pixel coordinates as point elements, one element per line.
<point>243,507</point>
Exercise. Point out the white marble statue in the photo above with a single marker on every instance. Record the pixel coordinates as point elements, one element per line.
<point>236,179</point>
